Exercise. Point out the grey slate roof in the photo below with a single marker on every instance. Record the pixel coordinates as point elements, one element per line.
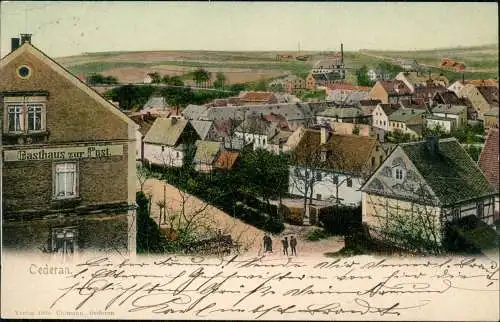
<point>195,112</point>
<point>451,173</point>
<point>165,131</point>
<point>449,109</point>
<point>156,102</point>
<point>342,112</point>
<point>257,125</point>
<point>201,127</point>
<point>439,118</point>
<point>403,115</point>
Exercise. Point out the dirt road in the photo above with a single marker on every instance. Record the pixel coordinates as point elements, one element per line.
<point>250,237</point>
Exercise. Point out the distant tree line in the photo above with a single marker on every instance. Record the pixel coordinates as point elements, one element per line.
<point>98,79</point>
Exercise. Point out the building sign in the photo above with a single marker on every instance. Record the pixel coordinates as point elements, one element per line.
<point>71,153</point>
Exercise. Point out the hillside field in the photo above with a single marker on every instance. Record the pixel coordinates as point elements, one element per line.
<point>242,67</point>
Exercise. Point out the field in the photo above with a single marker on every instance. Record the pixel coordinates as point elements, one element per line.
<point>242,67</point>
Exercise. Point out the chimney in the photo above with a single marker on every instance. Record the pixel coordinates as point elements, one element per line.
<point>173,120</point>
<point>25,38</point>
<point>432,144</point>
<point>14,44</point>
<point>342,54</point>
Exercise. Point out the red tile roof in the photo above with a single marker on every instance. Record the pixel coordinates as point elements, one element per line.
<point>489,160</point>
<point>483,82</point>
<point>257,97</point>
<point>395,87</point>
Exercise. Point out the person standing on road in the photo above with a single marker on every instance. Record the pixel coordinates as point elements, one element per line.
<point>285,246</point>
<point>293,245</point>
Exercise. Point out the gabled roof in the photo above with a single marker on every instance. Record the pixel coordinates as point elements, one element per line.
<point>405,114</point>
<point>389,108</point>
<point>280,137</point>
<point>277,119</point>
<point>490,94</point>
<point>144,122</point>
<point>206,151</point>
<point>345,153</point>
<point>489,158</point>
<point>429,90</point>
<point>450,172</point>
<point>449,109</point>
<point>369,102</point>
<point>156,102</point>
<point>415,78</point>
<point>342,112</point>
<point>226,160</point>
<point>447,97</point>
<point>194,112</point>
<point>75,81</point>
<point>257,96</point>
<point>257,125</point>
<point>395,87</point>
<point>480,82</point>
<point>166,131</point>
<point>348,87</point>
<point>201,127</point>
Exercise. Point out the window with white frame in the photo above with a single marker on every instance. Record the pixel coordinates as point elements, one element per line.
<point>24,114</point>
<point>455,213</point>
<point>65,181</point>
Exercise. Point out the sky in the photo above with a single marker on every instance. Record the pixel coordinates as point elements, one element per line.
<point>70,28</point>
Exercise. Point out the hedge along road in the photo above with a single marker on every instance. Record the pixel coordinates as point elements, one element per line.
<point>250,237</point>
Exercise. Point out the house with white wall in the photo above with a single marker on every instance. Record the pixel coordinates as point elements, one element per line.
<point>456,112</point>
<point>407,120</point>
<point>380,115</point>
<point>168,141</point>
<point>332,167</point>
<point>257,131</point>
<point>206,155</point>
<point>431,179</point>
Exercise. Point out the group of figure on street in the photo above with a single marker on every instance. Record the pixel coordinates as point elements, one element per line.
<point>268,245</point>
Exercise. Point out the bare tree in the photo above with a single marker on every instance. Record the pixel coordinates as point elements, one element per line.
<point>143,174</point>
<point>415,224</point>
<point>307,161</point>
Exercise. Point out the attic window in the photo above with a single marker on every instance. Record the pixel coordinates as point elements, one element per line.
<point>23,71</point>
<point>399,173</point>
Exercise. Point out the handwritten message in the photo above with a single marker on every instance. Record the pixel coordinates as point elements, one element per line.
<point>260,288</point>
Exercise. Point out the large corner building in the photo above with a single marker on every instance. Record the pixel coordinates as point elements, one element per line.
<point>68,160</point>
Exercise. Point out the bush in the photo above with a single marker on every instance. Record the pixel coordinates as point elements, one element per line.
<point>272,224</point>
<point>340,220</point>
<point>148,235</point>
<point>292,216</point>
<point>317,234</point>
<point>469,235</point>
